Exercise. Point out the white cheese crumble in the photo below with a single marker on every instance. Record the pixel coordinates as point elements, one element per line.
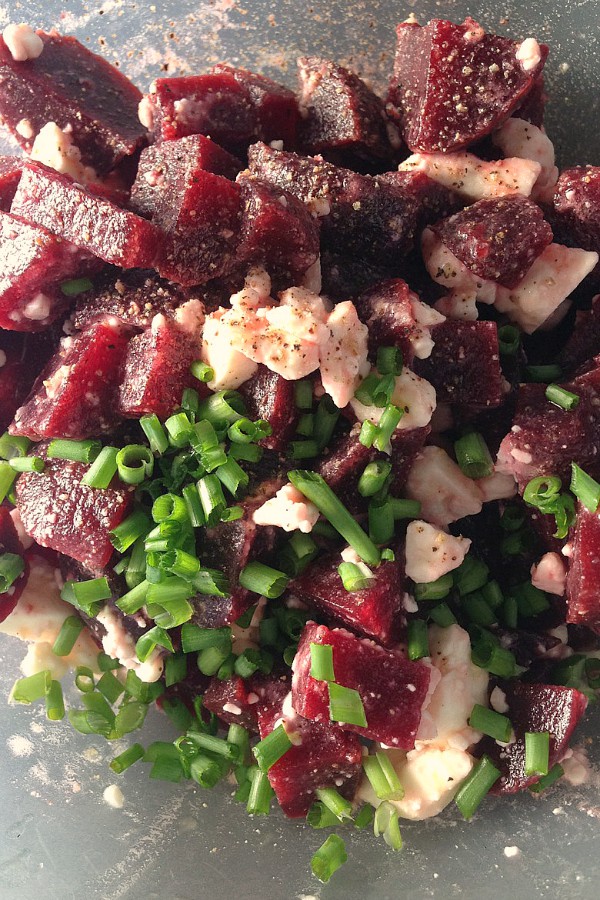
<point>146,112</point>
<point>498,701</point>
<point>474,178</point>
<point>54,148</point>
<point>512,852</point>
<point>119,644</point>
<point>414,395</point>
<point>22,42</point>
<point>445,494</point>
<point>497,486</point>
<point>529,54</point>
<point>431,553</point>
<point>288,509</point>
<point>343,356</point>
<point>520,138</point>
<point>113,796</point>
<point>38,307</point>
<point>550,574</point>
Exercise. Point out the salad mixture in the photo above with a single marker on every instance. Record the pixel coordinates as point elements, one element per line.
<point>302,405</point>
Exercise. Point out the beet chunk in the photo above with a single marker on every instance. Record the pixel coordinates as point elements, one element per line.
<point>533,107</point>
<point>545,439</point>
<point>10,543</point>
<point>10,173</point>
<point>270,397</point>
<point>374,611</point>
<point>577,206</point>
<point>534,708</point>
<point>33,265</point>
<point>234,701</point>
<point>59,512</point>
<point>340,113</point>
<point>321,756</point>
<point>24,357</point>
<point>346,277</point>
<point>464,366</point>
<point>497,239</point>
<point>453,84</point>
<point>432,200</point>
<point>76,394</point>
<point>87,220</point>
<point>393,689</point>
<point>277,230</point>
<point>388,309</point>
<point>69,85</point>
<point>344,464</point>
<point>584,341</point>
<point>583,578</point>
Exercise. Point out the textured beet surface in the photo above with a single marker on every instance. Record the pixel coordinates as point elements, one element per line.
<point>76,394</point>
<point>59,512</point>
<point>392,688</point>
<point>24,356</point>
<point>453,84</point>
<point>584,341</point>
<point>388,310</point>
<point>432,201</point>
<point>87,220</point>
<point>498,239</point>
<point>10,173</point>
<point>346,277</point>
<point>534,105</point>
<point>464,366</point>
<point>577,206</point>
<point>343,465</point>
<point>234,701</point>
<point>322,756</point>
<point>10,543</point>
<point>269,396</point>
<point>533,708</point>
<point>583,579</point>
<point>69,85</point>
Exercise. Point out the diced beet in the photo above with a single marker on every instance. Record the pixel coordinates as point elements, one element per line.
<point>453,84</point>
<point>71,212</point>
<point>10,543</point>
<point>545,439</point>
<point>10,173</point>
<point>234,701</point>
<point>156,370</point>
<point>22,359</point>
<point>583,577</point>
<point>533,107</point>
<point>277,230</point>
<point>577,206</point>
<point>321,756</point>
<point>73,87</point>
<point>341,113</point>
<point>344,464</point>
<point>270,397</point>
<point>392,689</point>
<point>76,394</point>
<point>432,200</point>
<point>374,611</point>
<point>406,444</point>
<point>33,265</point>
<point>464,366</point>
<point>59,512</point>
<point>275,106</point>
<point>345,277</point>
<point>533,708</point>
<point>387,309</point>
<point>584,341</point>
<point>312,180</point>
<point>497,239</point>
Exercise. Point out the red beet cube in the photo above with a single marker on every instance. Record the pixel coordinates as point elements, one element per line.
<point>584,341</point>
<point>60,512</point>
<point>76,394</point>
<point>87,220</point>
<point>341,113</point>
<point>583,578</point>
<point>346,277</point>
<point>388,309</point>
<point>374,611</point>
<point>406,445</point>
<point>577,206</point>
<point>464,366</point>
<point>344,464</point>
<point>533,107</point>
<point>533,708</point>
<point>432,200</point>
<point>73,87</point>
<point>392,689</point>
<point>497,239</point>
<point>22,359</point>
<point>321,755</point>
<point>453,84</point>
<point>10,173</point>
<point>277,230</point>
<point>156,370</point>
<point>33,265</point>
<point>234,701</point>
<point>10,543</point>
<point>270,397</point>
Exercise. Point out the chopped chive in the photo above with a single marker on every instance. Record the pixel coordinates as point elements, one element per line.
<point>318,816</point>
<point>387,555</point>
<point>513,517</point>
<point>173,609</point>
<point>542,492</point>
<point>205,771</point>
<point>381,521</point>
<point>7,477</point>
<point>543,374</point>
<point>289,654</point>
<point>473,456</point>
<point>383,777</point>
<point>126,759</point>
<point>34,687</point>
<point>11,567</point>
<point>211,582</point>
<point>390,417</point>
<point>585,488</point>
<point>364,817</point>
<point>55,704</point>
<point>476,785</point>
<point>251,661</point>
<point>303,394</point>
<point>169,506</point>
<point>418,640</point>
<point>561,397</point>
<point>129,530</point>
<point>303,449</point>
<point>212,499</point>
<point>353,578</point>
<point>77,451</point>
<point>84,679</point>
<point>263,580</point>
<point>110,687</point>
<point>490,722</point>
<point>222,408</point>
<point>497,660</point>
<point>345,705</point>
<point>179,429</point>
<point>389,360</point>
<point>477,610</point>
<point>510,612</point>
<point>492,594</point>
<point>212,658</point>
<point>442,615</point>
<point>175,669</point>
<point>194,638</point>
<point>272,747</point>
<point>141,690</point>
<point>106,663</point>
<point>243,431</point>
<point>471,575</point>
<point>148,642</point>
<point>373,478</point>
<point>238,736</point>
<point>326,418</point>
<point>232,476</point>
<point>531,601</point>
<point>321,662</point>
<point>133,600</point>
<point>298,553</point>
<point>386,823</point>
<point>181,564</point>
<point>335,803</point>
<point>328,858</point>
<point>155,433</point>
<point>546,781</point>
<point>306,425</point>
<point>368,433</point>
<point>434,590</point>
<point>213,744</point>
<point>202,371</point>
<point>365,391</point>
<point>537,752</point>
<point>251,453</point>
<point>130,717</point>
<point>195,512</point>
<point>76,286</point>
<point>103,469</point>
<point>135,463</point>
<point>12,446</point>
<point>92,591</point>
<point>405,509</point>
<point>166,763</point>
<point>70,630</point>
<point>27,464</point>
<point>261,792</point>
<point>190,402</point>
<point>509,339</point>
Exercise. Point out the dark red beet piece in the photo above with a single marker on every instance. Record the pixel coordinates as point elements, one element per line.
<point>234,701</point>
<point>405,448</point>
<point>270,397</point>
<point>346,277</point>
<point>87,220</point>
<point>321,756</point>
<point>498,239</point>
<point>10,543</point>
<point>10,173</point>
<point>59,512</point>
<point>277,230</point>
<point>23,358</point>
<point>577,206</point>
<point>374,611</point>
<point>69,85</point>
<point>584,341</point>
<point>453,84</point>
<point>432,200</point>
<point>388,310</point>
<point>583,578</point>
<point>533,107</point>
<point>547,438</point>
<point>33,265</point>
<point>76,394</point>
<point>393,689</point>
<point>534,708</point>
<point>341,113</point>
<point>464,366</point>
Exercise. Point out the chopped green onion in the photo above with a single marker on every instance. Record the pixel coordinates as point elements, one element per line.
<point>77,451</point>
<point>175,669</point>
<point>346,706</point>
<point>561,397</point>
<point>353,578</point>
<point>180,429</point>
<point>11,567</point>
<point>386,823</point>
<point>390,417</point>
<point>135,463</point>
<point>365,391</point>
<point>381,520</point>
<point>585,488</point>
<point>306,425</point>
<point>193,506</point>
<point>513,517</point>
<point>531,601</point>
<point>169,506</point>
<point>129,530</point>
<point>7,477</point>
<point>442,615</point>
<point>211,582</point>
<point>543,374</point>
<point>190,402</point>
<point>405,509</point>
<point>471,575</point>
<point>202,371</point>
<point>232,476</point>
<point>298,553</point>
<point>70,630</point>
<point>364,817</point>
<point>103,469</point>
<point>180,563</point>
<point>289,654</point>
<point>239,737</point>
<point>205,771</point>
<point>84,679</point>
<point>87,593</point>
<point>106,663</point>
<point>497,660</point>
<point>130,717</point>
<point>34,687</point>
<point>272,747</point>
<point>150,640</point>
<point>374,478</point>
<point>368,433</point>
<point>383,777</point>
<point>157,437</point>
<point>27,464</point>
<point>212,658</point>
<point>318,816</point>
<point>303,394</point>
<point>387,555</point>
<point>194,638</point>
<point>389,361</point>
<point>321,662</point>
<point>492,594</point>
<point>477,610</point>
<point>133,600</point>
<point>213,744</point>
<point>476,785</point>
<point>329,858</point>
<point>110,687</point>
<point>510,612</point>
<point>326,418</point>
<point>212,499</point>
<point>418,640</point>
<point>166,762</point>
<point>542,492</point>
<point>13,445</point>
<point>222,408</point>
<point>55,704</point>
<point>434,590</point>
<point>537,752</point>
<point>76,286</point>
<point>263,580</point>
<point>126,759</point>
<point>473,456</point>
<point>490,722</point>
<point>546,781</point>
<point>335,803</point>
<point>242,432</point>
<point>303,449</point>
<point>509,339</point>
<point>261,792</point>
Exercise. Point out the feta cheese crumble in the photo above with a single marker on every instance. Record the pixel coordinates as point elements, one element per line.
<point>431,553</point>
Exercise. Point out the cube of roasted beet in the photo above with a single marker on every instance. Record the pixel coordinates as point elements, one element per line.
<point>341,113</point>
<point>388,309</point>
<point>577,206</point>
<point>73,87</point>
<point>345,277</point>
<point>374,611</point>
<point>87,220</point>
<point>533,708</point>
<point>10,173</point>
<point>432,200</point>
<point>234,701</point>
<point>497,239</point>
<point>453,84</point>
<point>321,756</point>
<point>10,543</point>
<point>59,512</point>
<point>277,230</point>
<point>275,106</point>
<point>22,358</point>
<point>533,107</point>
<point>406,444</point>
<point>33,265</point>
<point>270,397</point>
<point>392,689</point>
<point>344,464</point>
<point>545,439</point>
<point>76,394</point>
<point>583,577</point>
<point>584,342</point>
<point>464,366</point>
